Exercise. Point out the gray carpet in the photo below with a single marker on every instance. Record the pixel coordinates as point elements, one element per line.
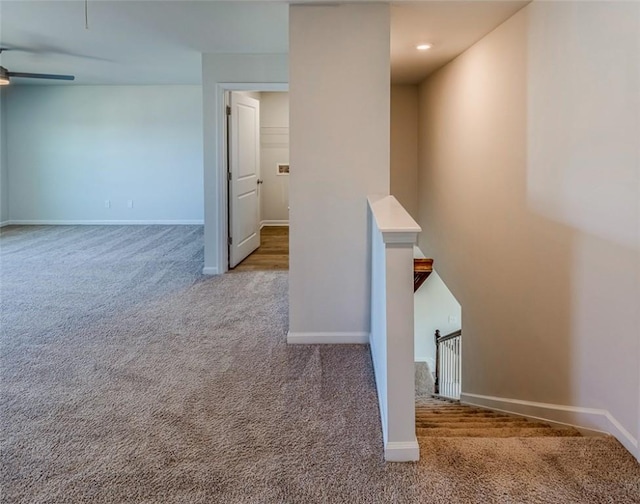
<point>127,377</point>
<point>424,382</point>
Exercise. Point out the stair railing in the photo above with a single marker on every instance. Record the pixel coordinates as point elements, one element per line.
<point>448,364</point>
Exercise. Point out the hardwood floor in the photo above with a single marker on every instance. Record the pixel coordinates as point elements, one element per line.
<point>273,252</point>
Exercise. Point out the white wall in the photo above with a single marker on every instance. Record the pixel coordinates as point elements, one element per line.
<point>339,108</point>
<point>4,180</point>
<point>4,171</point>
<point>220,71</point>
<point>71,148</point>
<point>529,189</point>
<point>435,307</point>
<point>404,146</point>
<point>274,149</point>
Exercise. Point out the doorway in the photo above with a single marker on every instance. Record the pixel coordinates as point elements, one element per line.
<point>257,162</point>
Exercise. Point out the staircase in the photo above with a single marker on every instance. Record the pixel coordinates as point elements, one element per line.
<point>438,418</point>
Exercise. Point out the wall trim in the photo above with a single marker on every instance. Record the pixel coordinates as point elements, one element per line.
<point>408,451</point>
<point>49,222</point>
<point>329,338</point>
<point>210,270</point>
<point>5,223</point>
<point>594,419</point>
<point>265,223</point>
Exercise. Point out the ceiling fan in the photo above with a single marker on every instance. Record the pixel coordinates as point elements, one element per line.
<point>5,75</point>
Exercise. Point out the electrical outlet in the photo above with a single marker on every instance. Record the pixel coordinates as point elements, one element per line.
<point>107,203</point>
<point>453,319</point>
<point>130,203</point>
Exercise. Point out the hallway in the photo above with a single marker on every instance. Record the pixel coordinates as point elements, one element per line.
<point>273,253</point>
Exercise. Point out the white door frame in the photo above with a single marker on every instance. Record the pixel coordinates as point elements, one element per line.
<point>223,203</point>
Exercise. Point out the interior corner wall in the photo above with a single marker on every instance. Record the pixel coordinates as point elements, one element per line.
<point>218,70</point>
<point>72,149</point>
<point>529,192</point>
<point>274,150</point>
<point>435,308</point>
<point>339,111</point>
<point>404,146</point>
<point>4,166</point>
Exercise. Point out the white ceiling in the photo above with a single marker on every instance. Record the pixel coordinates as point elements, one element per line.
<point>135,42</point>
<point>451,26</point>
<point>161,42</point>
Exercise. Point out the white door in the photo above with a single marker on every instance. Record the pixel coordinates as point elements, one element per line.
<point>244,179</point>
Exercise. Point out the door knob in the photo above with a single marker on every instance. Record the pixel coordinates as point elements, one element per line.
<point>259,181</point>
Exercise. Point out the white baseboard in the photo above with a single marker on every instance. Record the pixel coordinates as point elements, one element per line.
<point>402,452</point>
<point>46,222</point>
<point>394,451</point>
<point>274,223</point>
<point>5,223</point>
<point>337,338</point>
<point>593,419</point>
<point>210,270</point>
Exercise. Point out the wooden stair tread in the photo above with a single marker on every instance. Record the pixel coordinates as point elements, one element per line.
<point>422,268</point>
<point>423,265</point>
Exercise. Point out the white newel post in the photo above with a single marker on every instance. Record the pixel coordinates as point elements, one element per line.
<point>393,235</point>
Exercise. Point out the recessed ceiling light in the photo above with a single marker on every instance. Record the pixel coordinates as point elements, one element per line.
<point>424,47</point>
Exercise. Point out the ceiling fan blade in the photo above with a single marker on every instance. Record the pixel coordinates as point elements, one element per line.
<point>50,50</point>
<point>42,76</point>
